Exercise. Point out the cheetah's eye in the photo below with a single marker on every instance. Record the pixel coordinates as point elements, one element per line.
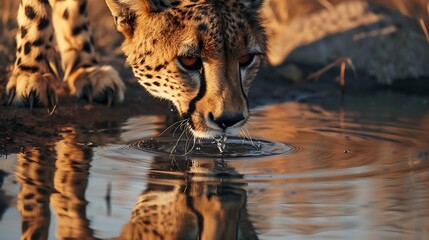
<point>246,60</point>
<point>190,63</point>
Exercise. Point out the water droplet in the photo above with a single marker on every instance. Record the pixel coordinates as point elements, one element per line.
<point>221,143</point>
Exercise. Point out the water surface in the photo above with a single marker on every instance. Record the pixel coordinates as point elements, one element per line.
<point>356,169</point>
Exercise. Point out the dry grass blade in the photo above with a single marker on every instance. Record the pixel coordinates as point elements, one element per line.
<point>50,112</point>
<point>424,28</point>
<point>343,62</point>
<point>342,74</point>
<point>423,24</point>
<point>339,61</point>
<point>326,4</point>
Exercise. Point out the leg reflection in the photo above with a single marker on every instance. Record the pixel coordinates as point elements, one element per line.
<point>34,172</point>
<point>70,183</point>
<point>56,178</point>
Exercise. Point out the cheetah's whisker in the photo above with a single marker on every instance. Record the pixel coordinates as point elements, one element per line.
<point>177,143</point>
<point>169,127</point>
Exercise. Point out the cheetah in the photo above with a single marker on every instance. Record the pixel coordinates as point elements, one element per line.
<point>201,55</point>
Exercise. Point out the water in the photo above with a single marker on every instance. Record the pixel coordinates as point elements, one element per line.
<point>357,170</point>
<point>233,147</point>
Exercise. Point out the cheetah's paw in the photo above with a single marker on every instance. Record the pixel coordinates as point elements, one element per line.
<point>98,83</point>
<point>31,89</point>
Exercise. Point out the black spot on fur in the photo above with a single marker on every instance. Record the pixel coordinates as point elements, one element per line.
<point>29,196</point>
<point>85,26</point>
<point>202,27</point>
<point>175,3</point>
<point>87,66</point>
<point>43,23</point>
<point>149,76</point>
<point>42,191</point>
<point>156,84</point>
<point>159,67</point>
<point>44,1</point>
<point>76,30</point>
<point>27,48</point>
<point>66,14</point>
<point>40,57</point>
<point>82,7</point>
<point>18,61</point>
<point>147,84</point>
<point>23,32</point>
<point>87,47</point>
<point>31,69</point>
<point>28,207</point>
<point>29,12</point>
<point>38,42</point>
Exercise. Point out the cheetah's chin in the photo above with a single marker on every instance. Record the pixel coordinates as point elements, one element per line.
<point>213,133</point>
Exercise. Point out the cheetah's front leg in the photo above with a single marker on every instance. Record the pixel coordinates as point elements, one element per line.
<point>85,77</point>
<point>34,77</point>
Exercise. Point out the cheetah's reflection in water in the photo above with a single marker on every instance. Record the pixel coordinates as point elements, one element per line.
<point>195,205</point>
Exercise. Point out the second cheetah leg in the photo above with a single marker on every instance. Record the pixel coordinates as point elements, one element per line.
<point>84,76</point>
<point>35,73</point>
<point>70,183</point>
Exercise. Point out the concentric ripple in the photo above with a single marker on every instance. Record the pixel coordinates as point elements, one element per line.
<point>234,148</point>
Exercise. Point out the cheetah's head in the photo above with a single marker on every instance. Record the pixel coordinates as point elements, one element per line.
<point>200,54</point>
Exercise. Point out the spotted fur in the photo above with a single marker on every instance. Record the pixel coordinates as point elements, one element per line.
<point>216,32</point>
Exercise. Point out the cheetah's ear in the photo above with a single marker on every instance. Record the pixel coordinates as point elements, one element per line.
<point>252,4</point>
<point>124,17</point>
<point>125,12</point>
<point>141,6</point>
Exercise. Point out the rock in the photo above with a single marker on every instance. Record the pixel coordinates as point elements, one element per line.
<point>381,42</point>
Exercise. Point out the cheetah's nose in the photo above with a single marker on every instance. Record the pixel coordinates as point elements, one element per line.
<point>227,120</point>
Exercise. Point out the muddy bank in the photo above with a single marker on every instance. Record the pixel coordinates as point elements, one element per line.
<point>20,128</point>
